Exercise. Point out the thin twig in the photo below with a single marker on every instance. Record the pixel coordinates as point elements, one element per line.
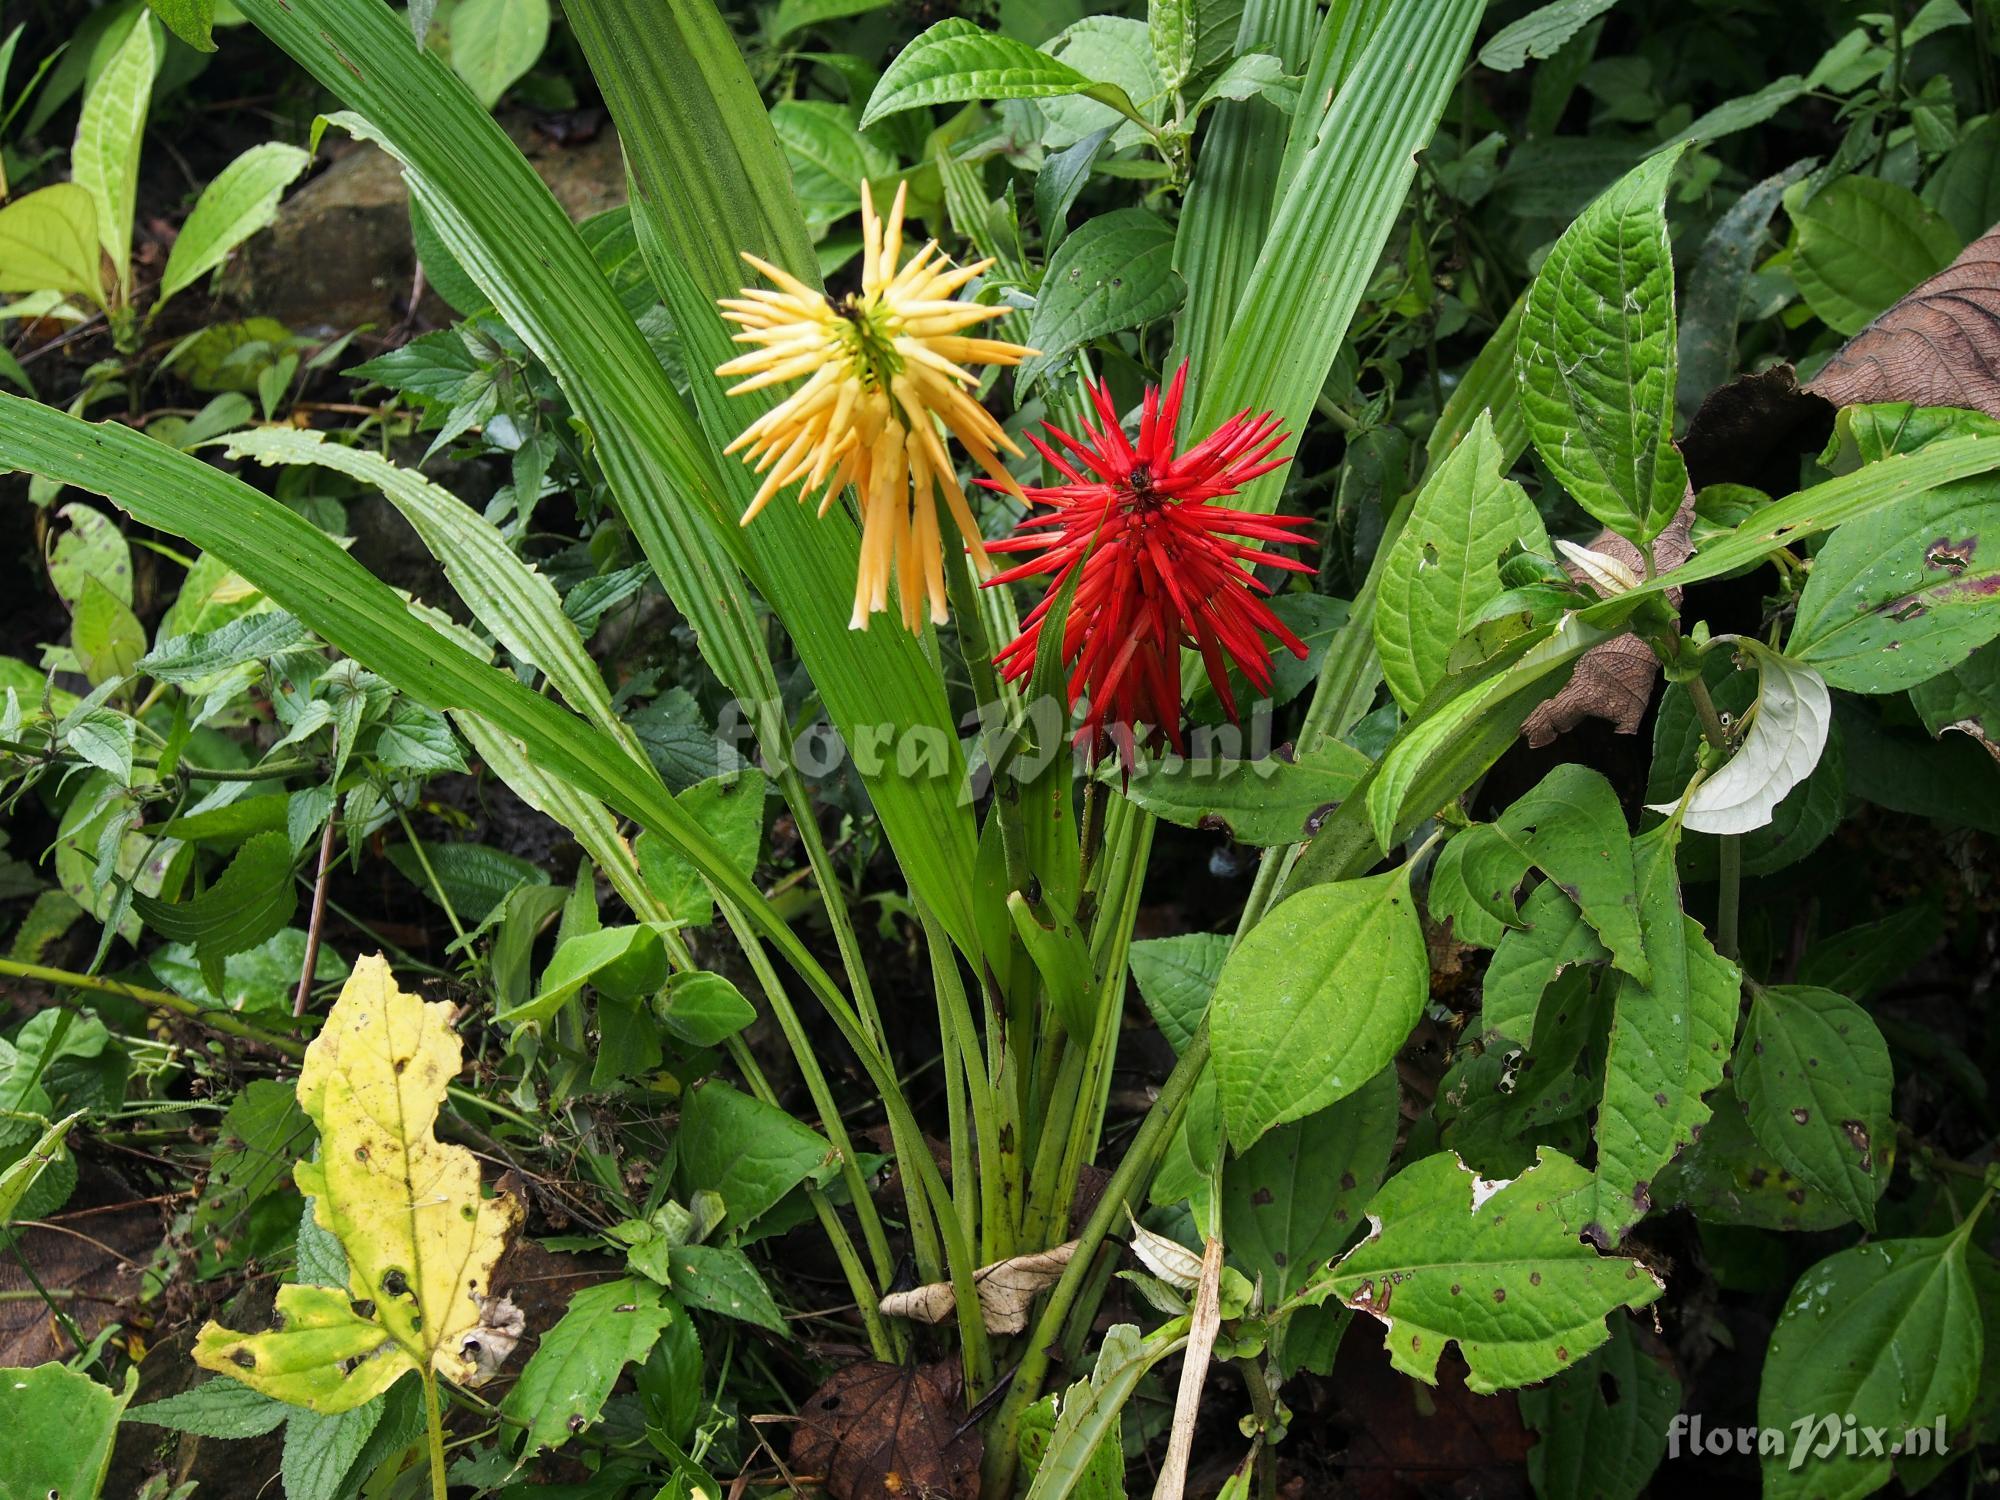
<point>313,925</point>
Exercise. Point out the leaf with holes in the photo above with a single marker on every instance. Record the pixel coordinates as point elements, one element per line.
<point>1292,1200</point>
<point>1895,598</point>
<point>1603,1423</point>
<point>1497,1267</point>
<point>421,1240</point>
<point>1815,1078</point>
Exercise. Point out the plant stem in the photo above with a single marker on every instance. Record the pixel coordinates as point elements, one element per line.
<point>214,1020</point>
<point>311,965</point>
<point>1729,895</point>
<point>834,898</point>
<point>1265,1408</point>
<point>1127,1181</point>
<point>437,886</point>
<point>434,1423</point>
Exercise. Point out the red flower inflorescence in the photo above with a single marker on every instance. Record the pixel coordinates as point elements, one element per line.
<point>1163,566</point>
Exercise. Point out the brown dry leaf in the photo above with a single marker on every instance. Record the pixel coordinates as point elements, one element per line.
<point>1938,346</point>
<point>885,1432</point>
<point>1614,681</point>
<point>1006,1288</point>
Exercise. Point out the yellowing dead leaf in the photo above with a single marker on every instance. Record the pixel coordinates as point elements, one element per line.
<point>421,1241</point>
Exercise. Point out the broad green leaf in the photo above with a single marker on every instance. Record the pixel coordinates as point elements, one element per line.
<point>48,242</point>
<point>1860,244</point>
<point>1554,936</point>
<point>240,200</point>
<point>1499,1268</point>
<point>750,1152</point>
<point>720,1279</point>
<point>24,1171</point>
<point>331,1457</point>
<point>1596,357</point>
<point>797,15</point>
<point>731,808</point>
<point>193,21</point>
<point>261,978</point>
<point>1729,1177</point>
<point>248,903</point>
<point>955,61</point>
<point>107,636</point>
<point>1117,53</point>
<point>1897,597</point>
<point>191,657</point>
<point>626,963</point>
<point>1669,1041</point>
<point>1113,273</point>
<point>830,158</point>
<point>494,42</point>
<point>1541,33</point>
<point>704,1009</point>
<point>60,1427</point>
<point>1711,303</point>
<point>1790,722</point>
<point>1740,113</point>
<point>1248,77</point>
<point>1815,1079</point>
<point>1055,944</point>
<point>263,1133</point>
<point>1317,1000</point>
<point>1443,569</point>
<point>91,547</point>
<point>421,1241</point>
<point>1176,978</point>
<point>1601,1425</point>
<point>604,1328</point>
<point>104,161</point>
<point>1570,826</point>
<point>1265,802</point>
<point>215,1408</point>
<point>1888,1333</point>
<point>474,878</point>
<point>1292,1200</point>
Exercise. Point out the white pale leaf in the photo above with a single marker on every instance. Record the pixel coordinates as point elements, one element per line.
<point>1786,737</point>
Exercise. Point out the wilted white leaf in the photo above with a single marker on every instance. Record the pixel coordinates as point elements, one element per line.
<point>1787,733</point>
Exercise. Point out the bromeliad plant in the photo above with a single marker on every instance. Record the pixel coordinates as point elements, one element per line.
<point>1593,1090</point>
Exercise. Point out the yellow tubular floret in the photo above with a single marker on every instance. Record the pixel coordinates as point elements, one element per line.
<point>887,380</point>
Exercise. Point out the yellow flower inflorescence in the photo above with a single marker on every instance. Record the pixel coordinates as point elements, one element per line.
<point>886,368</point>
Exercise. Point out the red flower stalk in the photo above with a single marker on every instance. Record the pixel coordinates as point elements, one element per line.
<point>1163,566</point>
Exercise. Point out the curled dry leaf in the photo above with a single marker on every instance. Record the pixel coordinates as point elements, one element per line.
<point>1614,681</point>
<point>887,1432</point>
<point>1938,346</point>
<point>1006,1288</point>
